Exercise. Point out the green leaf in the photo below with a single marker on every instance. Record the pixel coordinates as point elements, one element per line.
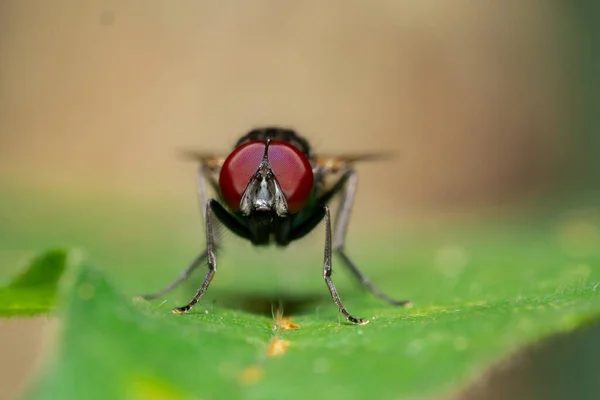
<point>111,350</point>
<point>477,300</point>
<point>34,290</point>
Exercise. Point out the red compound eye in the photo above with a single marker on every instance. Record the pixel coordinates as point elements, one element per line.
<point>293,172</point>
<point>289,165</point>
<point>237,170</point>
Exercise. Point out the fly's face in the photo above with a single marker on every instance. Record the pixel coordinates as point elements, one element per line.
<point>266,176</point>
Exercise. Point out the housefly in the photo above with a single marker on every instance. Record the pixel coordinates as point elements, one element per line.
<point>272,188</point>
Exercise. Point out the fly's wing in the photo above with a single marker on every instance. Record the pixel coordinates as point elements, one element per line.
<point>210,161</point>
<point>328,169</point>
<point>333,164</point>
<point>211,165</point>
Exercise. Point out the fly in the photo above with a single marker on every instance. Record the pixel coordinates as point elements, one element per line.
<point>273,188</point>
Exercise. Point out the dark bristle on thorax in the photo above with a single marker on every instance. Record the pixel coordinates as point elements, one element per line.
<point>277,133</point>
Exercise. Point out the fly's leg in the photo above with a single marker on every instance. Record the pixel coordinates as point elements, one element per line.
<point>327,274</point>
<point>212,262</point>
<point>341,227</point>
<point>202,196</point>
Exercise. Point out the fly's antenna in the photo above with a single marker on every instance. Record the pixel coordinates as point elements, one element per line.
<point>266,155</point>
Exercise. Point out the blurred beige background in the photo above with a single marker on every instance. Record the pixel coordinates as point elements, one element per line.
<point>473,97</point>
<point>98,96</point>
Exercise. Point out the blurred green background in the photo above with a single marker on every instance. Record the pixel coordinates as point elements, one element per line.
<point>490,108</point>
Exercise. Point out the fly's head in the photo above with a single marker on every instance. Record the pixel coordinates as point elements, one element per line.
<point>266,176</point>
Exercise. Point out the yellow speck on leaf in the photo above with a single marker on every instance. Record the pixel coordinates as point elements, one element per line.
<point>285,323</point>
<point>252,374</point>
<point>145,387</point>
<point>277,347</point>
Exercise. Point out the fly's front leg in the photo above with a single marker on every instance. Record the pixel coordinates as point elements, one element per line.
<point>202,197</point>
<point>327,270</point>
<point>210,256</point>
<point>341,227</point>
